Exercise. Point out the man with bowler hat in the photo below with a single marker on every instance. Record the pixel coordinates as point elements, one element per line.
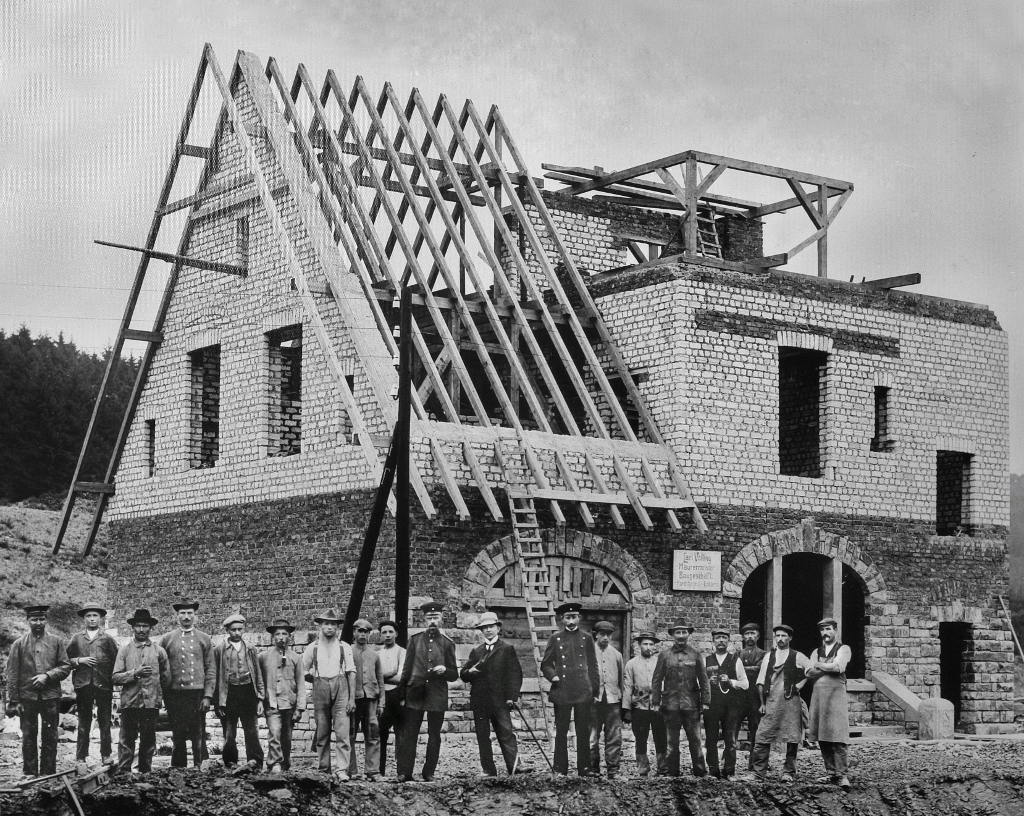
<point>144,674</point>
<point>284,690</point>
<point>239,693</point>
<point>193,677</point>
<point>782,675</point>
<point>680,691</point>
<point>751,656</point>
<point>36,664</point>
<point>606,714</point>
<point>570,665</point>
<point>496,678</point>
<point>92,653</point>
<point>327,663</point>
<point>429,667</point>
<point>637,708</point>
<point>728,683</point>
<point>829,720</point>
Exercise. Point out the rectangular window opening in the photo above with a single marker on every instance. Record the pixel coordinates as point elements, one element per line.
<point>150,447</point>
<point>285,408</point>
<point>952,493</point>
<point>205,410</point>
<point>881,442</point>
<point>801,410</point>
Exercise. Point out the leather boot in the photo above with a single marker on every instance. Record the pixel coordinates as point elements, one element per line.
<point>662,765</point>
<point>643,764</point>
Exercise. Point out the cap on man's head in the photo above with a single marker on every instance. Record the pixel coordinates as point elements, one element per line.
<point>750,627</point>
<point>432,606</point>
<point>604,626</point>
<point>35,609</point>
<point>570,606</point>
<point>719,631</point>
<point>193,605</point>
<point>363,623</point>
<point>280,623</point>
<point>782,627</point>
<point>828,622</point>
<point>646,636</point>
<point>230,620</point>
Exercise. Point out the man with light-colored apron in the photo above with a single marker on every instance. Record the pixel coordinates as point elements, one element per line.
<point>829,722</point>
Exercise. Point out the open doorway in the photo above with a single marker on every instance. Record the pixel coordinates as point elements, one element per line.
<point>955,640</point>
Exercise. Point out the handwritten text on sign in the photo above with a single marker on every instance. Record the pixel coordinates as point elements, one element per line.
<point>697,571</point>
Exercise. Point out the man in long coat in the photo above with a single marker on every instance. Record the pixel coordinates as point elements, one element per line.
<point>92,653</point>
<point>680,691</point>
<point>781,677</point>
<point>429,667</point>
<point>570,665</point>
<point>496,678</point>
<point>829,722</point>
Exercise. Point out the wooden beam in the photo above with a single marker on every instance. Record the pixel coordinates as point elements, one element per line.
<point>631,492</point>
<point>183,260</point>
<point>205,194</point>
<point>684,491</point>
<point>195,151</point>
<point>602,487</point>
<point>145,336</point>
<point>570,480</point>
<point>449,480</point>
<point>541,479</point>
<point>658,493</point>
<point>787,204</point>
<point>710,179</point>
<point>812,212</point>
<point>894,282</point>
<point>95,487</point>
<point>768,170</point>
<point>481,480</point>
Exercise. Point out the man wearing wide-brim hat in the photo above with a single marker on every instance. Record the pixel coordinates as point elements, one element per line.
<point>496,678</point>
<point>570,665</point>
<point>637,707</point>
<point>285,694</point>
<point>781,677</point>
<point>36,665</point>
<point>193,677</point>
<point>680,690</point>
<point>143,671</point>
<point>829,719</point>
<point>92,653</point>
<point>327,663</point>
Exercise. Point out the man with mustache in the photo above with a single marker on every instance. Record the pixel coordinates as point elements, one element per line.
<point>829,722</point>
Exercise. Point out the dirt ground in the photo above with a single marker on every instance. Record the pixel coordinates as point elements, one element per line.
<point>964,776</point>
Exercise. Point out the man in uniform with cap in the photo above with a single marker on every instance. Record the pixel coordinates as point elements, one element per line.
<point>239,694</point>
<point>570,665</point>
<point>193,676</point>
<point>781,677</point>
<point>392,660</point>
<point>429,667</point>
<point>728,683</point>
<point>327,663</point>
<point>636,704</point>
<point>37,663</point>
<point>680,690</point>
<point>92,653</point>
<point>284,690</point>
<point>751,656</point>
<point>143,671</point>
<point>829,722</point>
<point>496,678</point>
<point>607,712</point>
<point>369,700</point>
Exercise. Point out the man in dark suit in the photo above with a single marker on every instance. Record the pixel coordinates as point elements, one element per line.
<point>570,665</point>
<point>429,667</point>
<point>497,678</point>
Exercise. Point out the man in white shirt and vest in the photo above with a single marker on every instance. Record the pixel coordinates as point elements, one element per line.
<point>607,712</point>
<point>328,665</point>
<point>728,682</point>
<point>829,720</point>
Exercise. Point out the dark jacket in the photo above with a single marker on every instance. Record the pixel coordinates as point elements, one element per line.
<point>680,680</point>
<point>421,688</point>
<point>31,656</point>
<point>500,679</point>
<point>104,648</point>
<point>253,664</point>
<point>572,658</point>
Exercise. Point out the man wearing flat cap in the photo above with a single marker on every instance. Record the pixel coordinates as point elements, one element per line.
<point>239,693</point>
<point>429,667</point>
<point>327,663</point>
<point>143,671</point>
<point>496,678</point>
<point>369,700</point>
<point>728,683</point>
<point>92,653</point>
<point>751,656</point>
<point>570,665</point>
<point>37,663</point>
<point>193,677</point>
<point>680,690</point>
<point>637,707</point>
<point>607,712</point>
<point>781,677</point>
<point>284,690</point>
<point>829,721</point>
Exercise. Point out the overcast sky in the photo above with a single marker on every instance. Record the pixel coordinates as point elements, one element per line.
<point>920,105</point>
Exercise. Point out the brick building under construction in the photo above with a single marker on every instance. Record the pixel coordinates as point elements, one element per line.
<point>701,434</point>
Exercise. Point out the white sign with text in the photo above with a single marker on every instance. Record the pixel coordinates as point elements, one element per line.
<point>697,571</point>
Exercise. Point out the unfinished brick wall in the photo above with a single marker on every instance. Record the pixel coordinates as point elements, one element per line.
<point>204,431</point>
<point>285,391</point>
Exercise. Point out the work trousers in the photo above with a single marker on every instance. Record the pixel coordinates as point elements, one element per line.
<point>137,724</point>
<point>242,706</point>
<point>606,717</point>
<point>498,718</point>
<point>721,721</point>
<point>580,712</point>
<point>834,756</point>
<point>391,718</point>
<point>650,722</point>
<point>187,725</point>
<point>39,750</point>
<point>688,722</point>
<point>405,755</point>
<point>85,698</point>
<point>364,721</point>
<point>279,741</point>
<point>762,750</point>
<point>330,708</point>
<point>751,714</point>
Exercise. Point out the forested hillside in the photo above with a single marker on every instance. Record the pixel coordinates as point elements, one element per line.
<point>47,391</point>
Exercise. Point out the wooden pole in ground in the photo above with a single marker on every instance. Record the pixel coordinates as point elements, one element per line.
<point>401,443</point>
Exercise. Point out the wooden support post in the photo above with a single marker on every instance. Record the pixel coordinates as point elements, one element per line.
<point>823,240</point>
<point>832,604</point>
<point>401,439</point>
<point>773,597</point>
<point>690,228</point>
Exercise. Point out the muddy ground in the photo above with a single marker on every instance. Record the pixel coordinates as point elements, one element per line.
<point>965,776</point>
